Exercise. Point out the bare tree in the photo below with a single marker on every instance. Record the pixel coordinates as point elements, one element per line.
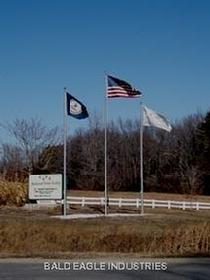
<point>11,163</point>
<point>31,137</point>
<point>188,153</point>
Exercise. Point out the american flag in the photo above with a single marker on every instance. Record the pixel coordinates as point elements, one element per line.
<point>120,88</point>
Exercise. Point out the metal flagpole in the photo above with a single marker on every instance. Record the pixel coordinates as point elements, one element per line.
<point>105,150</point>
<point>141,159</point>
<point>64,154</point>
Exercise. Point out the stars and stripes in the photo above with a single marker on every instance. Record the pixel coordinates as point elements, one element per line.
<point>120,88</point>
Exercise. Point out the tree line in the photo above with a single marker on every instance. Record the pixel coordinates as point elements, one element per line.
<point>177,162</point>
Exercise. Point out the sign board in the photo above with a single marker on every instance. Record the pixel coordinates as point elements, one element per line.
<point>45,186</point>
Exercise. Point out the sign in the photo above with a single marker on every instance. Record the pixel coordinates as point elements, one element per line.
<point>45,186</point>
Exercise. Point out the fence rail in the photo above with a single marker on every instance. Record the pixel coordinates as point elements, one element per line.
<point>153,203</point>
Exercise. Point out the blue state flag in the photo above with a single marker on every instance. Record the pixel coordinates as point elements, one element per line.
<point>75,108</point>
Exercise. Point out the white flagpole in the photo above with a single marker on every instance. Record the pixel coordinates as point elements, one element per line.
<point>141,159</point>
<point>105,150</point>
<point>64,153</point>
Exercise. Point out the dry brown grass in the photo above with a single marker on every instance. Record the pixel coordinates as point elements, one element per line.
<point>169,233</point>
<point>163,233</point>
<point>12,193</point>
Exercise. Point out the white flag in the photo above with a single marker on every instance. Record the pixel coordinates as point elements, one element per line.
<point>151,118</point>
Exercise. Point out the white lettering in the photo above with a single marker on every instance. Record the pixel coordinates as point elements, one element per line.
<point>164,266</point>
<point>46,266</point>
<point>97,266</point>
<point>76,266</point>
<point>54,266</point>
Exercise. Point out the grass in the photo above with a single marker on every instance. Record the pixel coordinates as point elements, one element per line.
<point>162,233</point>
<point>12,193</point>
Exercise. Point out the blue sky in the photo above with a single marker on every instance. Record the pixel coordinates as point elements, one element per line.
<point>160,47</point>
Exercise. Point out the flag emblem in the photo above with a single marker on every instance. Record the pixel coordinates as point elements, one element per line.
<point>120,88</point>
<point>75,108</point>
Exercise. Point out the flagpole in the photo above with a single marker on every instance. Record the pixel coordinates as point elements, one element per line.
<point>105,150</point>
<point>141,159</point>
<point>64,154</point>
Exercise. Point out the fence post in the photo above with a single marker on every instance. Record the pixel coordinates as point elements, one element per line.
<point>83,201</point>
<point>102,201</point>
<point>120,202</point>
<point>137,203</point>
<point>169,204</point>
<point>183,206</point>
<point>153,204</point>
<point>197,205</point>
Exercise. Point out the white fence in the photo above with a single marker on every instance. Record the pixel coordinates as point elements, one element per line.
<point>153,203</point>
